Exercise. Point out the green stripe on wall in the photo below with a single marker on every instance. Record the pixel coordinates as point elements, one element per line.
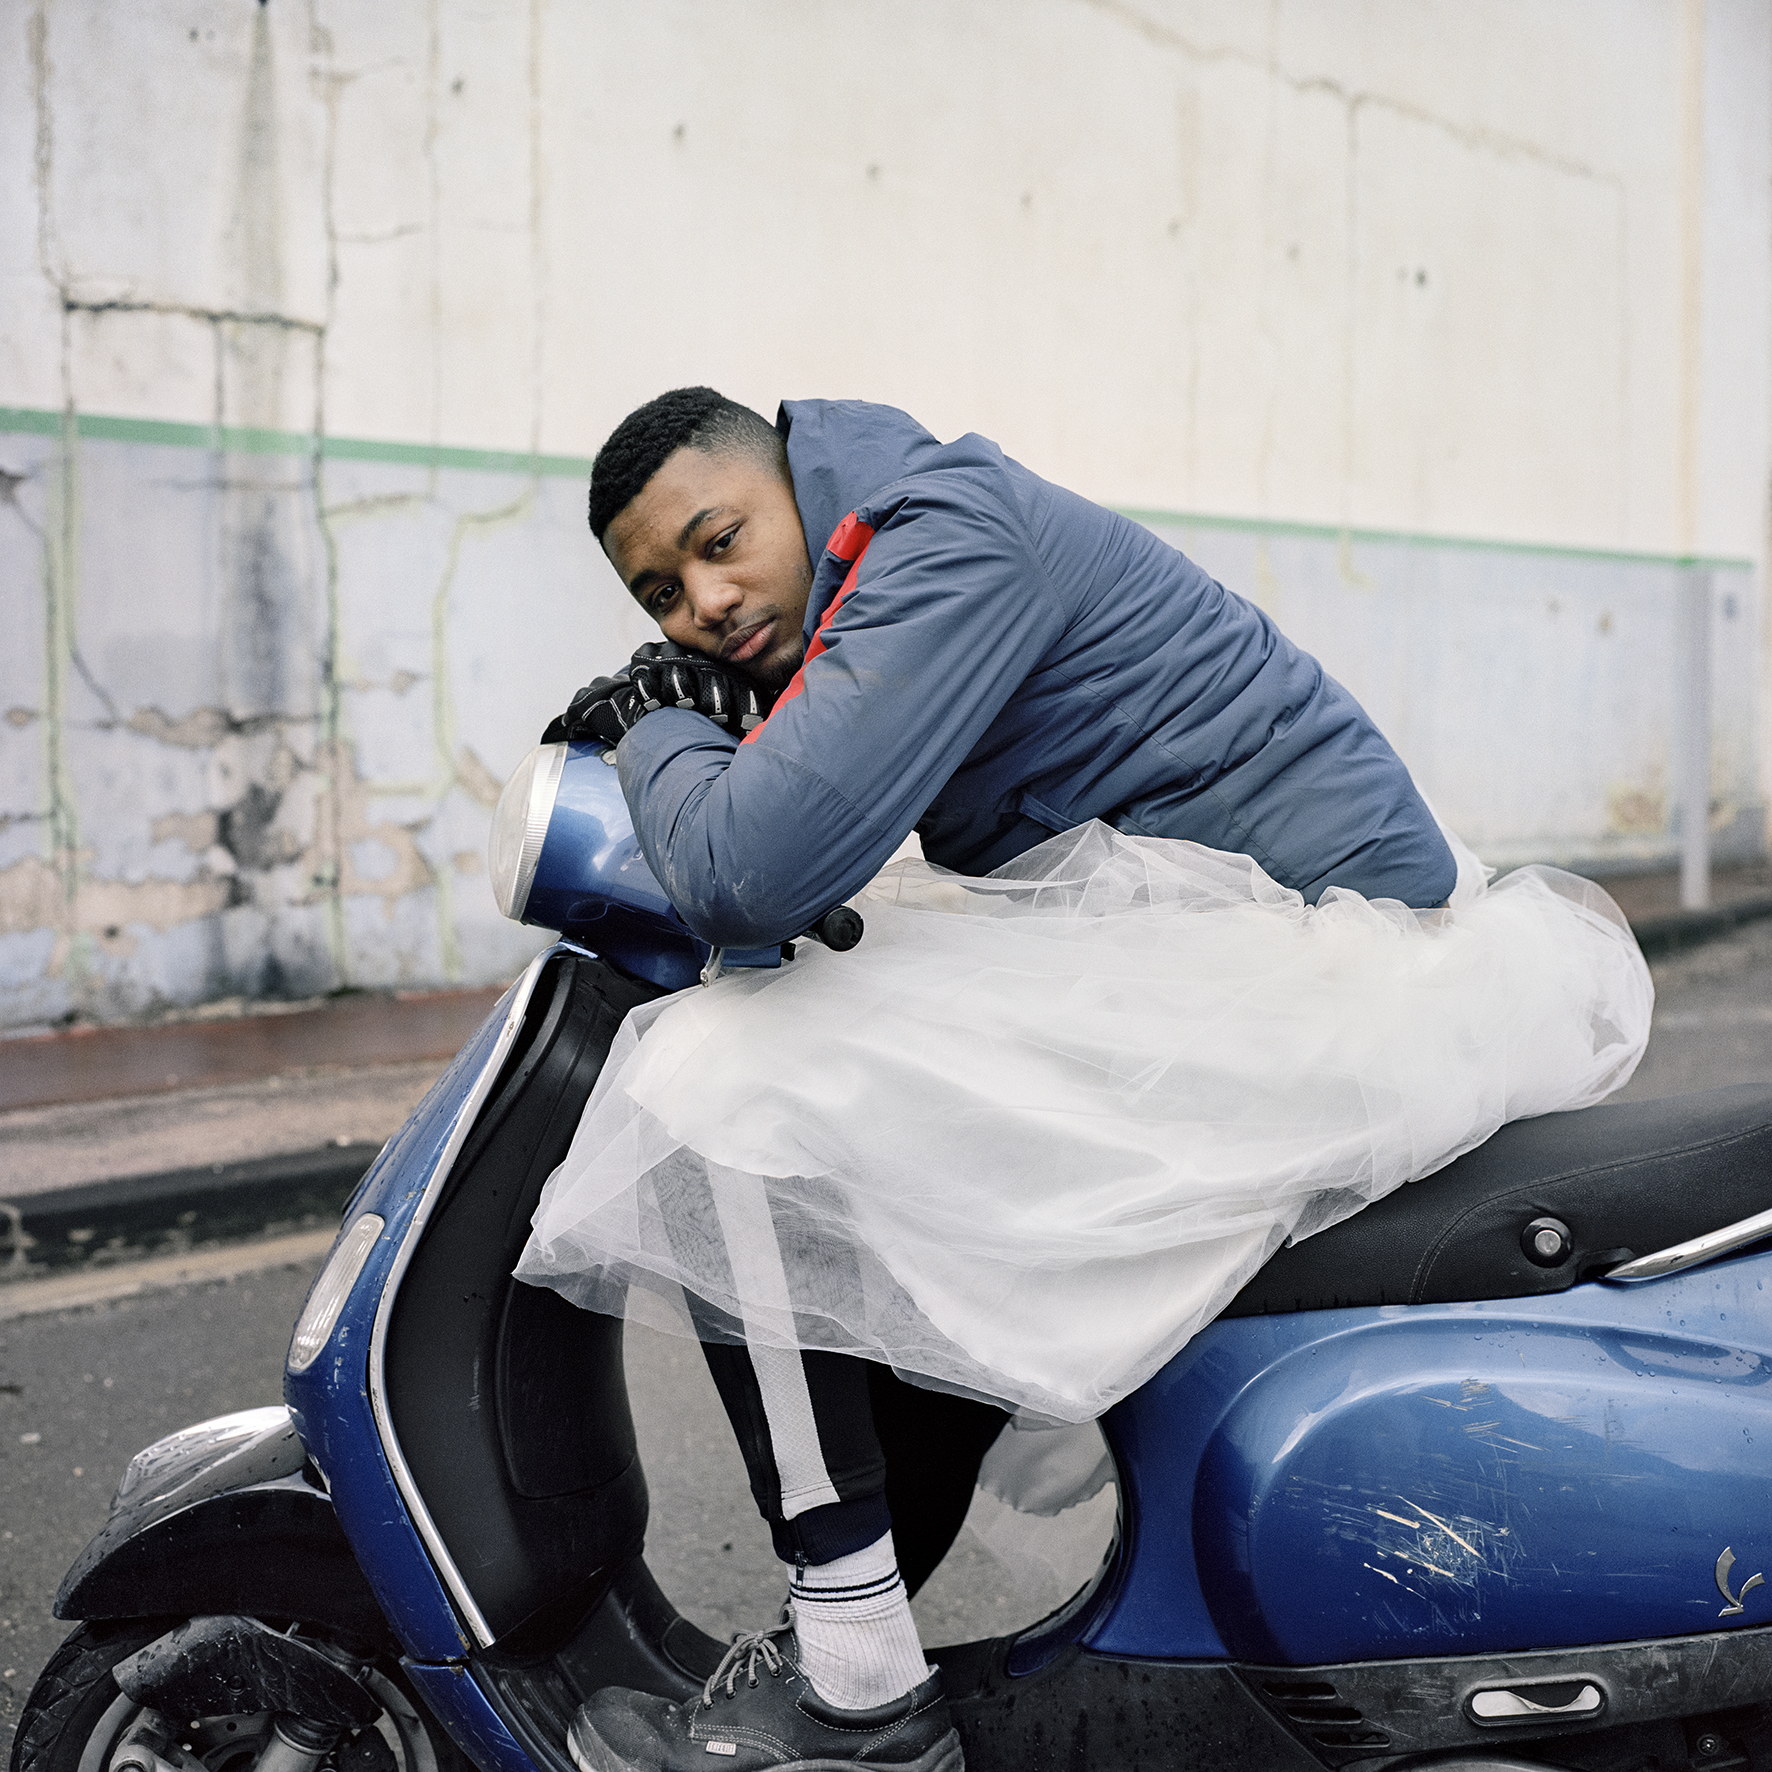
<point>1401,537</point>
<point>242,440</point>
<point>245,440</point>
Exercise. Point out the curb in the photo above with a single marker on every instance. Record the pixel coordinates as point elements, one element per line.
<point>81,1229</point>
<point>1674,930</point>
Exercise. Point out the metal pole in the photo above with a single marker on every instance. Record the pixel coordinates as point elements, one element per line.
<point>1694,795</point>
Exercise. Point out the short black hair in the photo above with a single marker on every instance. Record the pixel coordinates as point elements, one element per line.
<point>696,418</point>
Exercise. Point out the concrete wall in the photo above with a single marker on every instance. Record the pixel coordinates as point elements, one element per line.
<point>310,312</point>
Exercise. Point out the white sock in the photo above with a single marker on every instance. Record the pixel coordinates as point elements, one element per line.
<point>858,1642</point>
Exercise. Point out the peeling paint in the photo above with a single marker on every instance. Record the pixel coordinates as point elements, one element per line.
<point>196,830</point>
<point>199,730</point>
<point>359,834</point>
<point>475,779</point>
<point>157,904</point>
<point>31,898</point>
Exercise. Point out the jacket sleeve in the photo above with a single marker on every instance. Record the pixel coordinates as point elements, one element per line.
<point>949,613</point>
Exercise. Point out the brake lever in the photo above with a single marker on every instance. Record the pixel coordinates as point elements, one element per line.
<point>839,929</point>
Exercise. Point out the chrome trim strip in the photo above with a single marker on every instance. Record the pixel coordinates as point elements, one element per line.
<point>1699,1249</point>
<point>378,1341</point>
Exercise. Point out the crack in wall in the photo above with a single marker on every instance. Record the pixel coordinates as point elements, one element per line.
<point>1354,101</point>
<point>329,832</point>
<point>74,304</point>
<point>43,140</point>
<point>61,524</point>
<point>99,692</point>
<point>1470,135</point>
<point>538,251</point>
<point>61,576</point>
<point>204,728</point>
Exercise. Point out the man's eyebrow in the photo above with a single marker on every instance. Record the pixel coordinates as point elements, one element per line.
<point>688,530</point>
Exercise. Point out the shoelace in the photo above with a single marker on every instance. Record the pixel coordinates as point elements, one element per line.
<point>749,1648</point>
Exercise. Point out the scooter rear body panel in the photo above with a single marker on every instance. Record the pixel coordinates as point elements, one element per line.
<point>1459,1479</point>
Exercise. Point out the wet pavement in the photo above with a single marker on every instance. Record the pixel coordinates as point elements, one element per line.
<point>202,1051</point>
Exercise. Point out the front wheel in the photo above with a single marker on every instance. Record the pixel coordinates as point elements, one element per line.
<point>76,1716</point>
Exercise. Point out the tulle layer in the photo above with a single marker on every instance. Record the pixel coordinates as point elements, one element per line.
<point>1038,1128</point>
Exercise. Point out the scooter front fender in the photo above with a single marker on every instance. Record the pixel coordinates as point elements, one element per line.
<point>229,1516</point>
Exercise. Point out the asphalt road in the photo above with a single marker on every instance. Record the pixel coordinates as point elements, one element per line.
<point>81,1391</point>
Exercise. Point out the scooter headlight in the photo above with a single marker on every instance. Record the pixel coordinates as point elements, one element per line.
<point>520,825</point>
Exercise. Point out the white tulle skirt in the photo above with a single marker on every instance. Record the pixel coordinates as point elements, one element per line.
<point>1038,1128</point>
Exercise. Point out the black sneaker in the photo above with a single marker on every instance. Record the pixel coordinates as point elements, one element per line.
<point>774,1724</point>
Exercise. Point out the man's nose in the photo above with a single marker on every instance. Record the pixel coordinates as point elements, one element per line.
<point>711,596</point>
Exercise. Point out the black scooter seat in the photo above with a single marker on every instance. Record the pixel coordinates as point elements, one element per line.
<point>1626,1180</point>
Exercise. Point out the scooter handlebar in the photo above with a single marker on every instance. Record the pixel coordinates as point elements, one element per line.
<point>839,929</point>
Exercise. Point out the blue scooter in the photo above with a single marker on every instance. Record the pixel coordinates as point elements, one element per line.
<point>1481,1477</point>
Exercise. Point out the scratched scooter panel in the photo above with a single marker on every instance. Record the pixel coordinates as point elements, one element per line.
<point>1438,1503</point>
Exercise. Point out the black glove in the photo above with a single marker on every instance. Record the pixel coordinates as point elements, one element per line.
<point>660,674</point>
<point>671,676</point>
<point>595,712</point>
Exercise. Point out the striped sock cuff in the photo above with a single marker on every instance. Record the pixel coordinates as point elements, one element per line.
<point>885,1586</point>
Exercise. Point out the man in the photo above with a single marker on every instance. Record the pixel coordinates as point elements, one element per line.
<point>944,642</point>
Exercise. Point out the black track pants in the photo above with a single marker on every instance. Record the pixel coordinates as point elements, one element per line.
<point>840,1449</point>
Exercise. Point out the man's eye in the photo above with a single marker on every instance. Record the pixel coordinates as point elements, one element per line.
<point>723,541</point>
<point>662,598</point>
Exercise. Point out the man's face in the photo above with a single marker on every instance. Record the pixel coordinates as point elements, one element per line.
<point>712,549</point>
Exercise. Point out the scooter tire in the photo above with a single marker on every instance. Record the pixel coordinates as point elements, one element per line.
<point>74,1691</point>
<point>76,1712</point>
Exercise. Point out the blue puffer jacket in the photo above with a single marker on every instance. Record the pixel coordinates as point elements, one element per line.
<point>991,659</point>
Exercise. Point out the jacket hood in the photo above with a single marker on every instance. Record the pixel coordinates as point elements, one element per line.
<point>842,451</point>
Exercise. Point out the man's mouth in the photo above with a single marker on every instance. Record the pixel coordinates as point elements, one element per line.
<point>748,643</point>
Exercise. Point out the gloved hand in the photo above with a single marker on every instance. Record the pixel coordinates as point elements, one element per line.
<point>660,674</point>
<point>596,712</point>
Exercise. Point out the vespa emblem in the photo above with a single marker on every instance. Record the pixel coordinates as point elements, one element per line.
<point>1725,1563</point>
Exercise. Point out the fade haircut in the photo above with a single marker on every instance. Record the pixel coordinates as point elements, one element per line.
<point>693,418</point>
